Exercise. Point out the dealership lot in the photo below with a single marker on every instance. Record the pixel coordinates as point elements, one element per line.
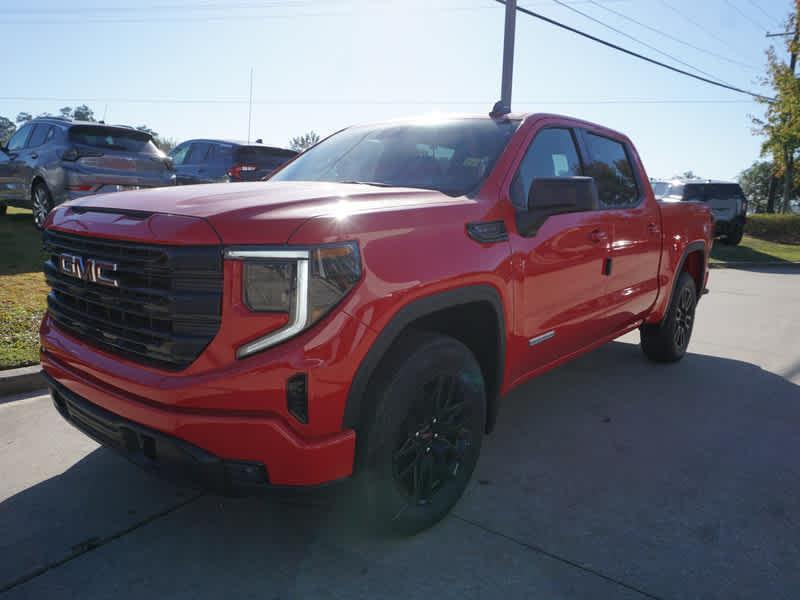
<point>608,478</point>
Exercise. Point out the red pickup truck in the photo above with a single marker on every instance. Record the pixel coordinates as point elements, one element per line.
<point>363,312</point>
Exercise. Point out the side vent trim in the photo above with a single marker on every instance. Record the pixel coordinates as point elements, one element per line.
<point>487,232</point>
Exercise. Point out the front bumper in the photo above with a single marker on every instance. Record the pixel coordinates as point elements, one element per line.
<point>208,447</point>
<point>165,455</point>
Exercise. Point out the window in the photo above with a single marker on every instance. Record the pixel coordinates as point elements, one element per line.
<point>551,154</point>
<point>17,141</point>
<point>221,154</point>
<point>198,153</point>
<point>264,158</point>
<point>113,138</point>
<point>452,156</point>
<point>612,172</point>
<point>179,154</point>
<point>693,193</point>
<point>41,133</point>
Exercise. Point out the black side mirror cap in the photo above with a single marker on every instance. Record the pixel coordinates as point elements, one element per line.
<point>550,196</point>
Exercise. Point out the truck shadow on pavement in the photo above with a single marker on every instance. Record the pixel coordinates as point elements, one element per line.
<point>603,477</point>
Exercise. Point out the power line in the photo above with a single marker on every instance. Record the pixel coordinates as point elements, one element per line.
<point>637,55</point>
<point>765,13</point>
<point>750,20</point>
<point>638,41</point>
<point>697,25</point>
<point>671,37</point>
<point>289,102</point>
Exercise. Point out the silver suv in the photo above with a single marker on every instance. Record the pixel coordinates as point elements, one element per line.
<point>50,160</point>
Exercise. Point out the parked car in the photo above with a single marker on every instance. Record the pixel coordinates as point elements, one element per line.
<point>726,199</point>
<point>53,159</point>
<point>216,161</point>
<point>382,292</point>
<point>660,187</point>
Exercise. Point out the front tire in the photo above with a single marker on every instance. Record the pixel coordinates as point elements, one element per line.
<point>422,442</point>
<point>42,204</point>
<point>3,209</point>
<point>668,340</point>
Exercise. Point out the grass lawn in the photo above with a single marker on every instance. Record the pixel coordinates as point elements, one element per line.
<point>755,250</point>
<point>22,289</point>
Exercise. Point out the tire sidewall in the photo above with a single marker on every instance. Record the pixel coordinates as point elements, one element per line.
<point>49,201</point>
<point>684,282</point>
<point>388,503</point>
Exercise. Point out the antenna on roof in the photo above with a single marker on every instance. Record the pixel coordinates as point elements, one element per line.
<point>259,141</point>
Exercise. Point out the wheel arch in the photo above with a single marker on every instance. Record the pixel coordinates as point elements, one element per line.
<point>693,261</point>
<point>446,312</point>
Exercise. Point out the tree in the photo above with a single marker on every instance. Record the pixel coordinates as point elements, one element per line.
<point>23,117</point>
<point>166,144</point>
<point>755,182</point>
<point>7,129</point>
<point>781,123</point>
<point>304,141</point>
<point>65,111</point>
<point>689,175</point>
<point>83,113</point>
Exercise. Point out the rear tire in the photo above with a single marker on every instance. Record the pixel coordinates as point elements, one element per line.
<point>668,341</point>
<point>42,204</point>
<point>420,445</point>
<point>3,209</point>
<point>733,238</point>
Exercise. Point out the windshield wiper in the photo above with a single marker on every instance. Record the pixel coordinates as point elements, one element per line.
<point>375,183</point>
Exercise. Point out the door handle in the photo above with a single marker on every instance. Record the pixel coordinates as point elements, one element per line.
<point>653,227</point>
<point>34,156</point>
<point>598,236</point>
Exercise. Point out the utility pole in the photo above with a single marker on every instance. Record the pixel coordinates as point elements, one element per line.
<point>788,153</point>
<point>250,107</point>
<point>504,105</point>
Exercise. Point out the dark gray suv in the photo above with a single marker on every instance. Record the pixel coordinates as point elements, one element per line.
<point>50,160</point>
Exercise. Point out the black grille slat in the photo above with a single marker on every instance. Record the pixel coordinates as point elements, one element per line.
<point>165,311</point>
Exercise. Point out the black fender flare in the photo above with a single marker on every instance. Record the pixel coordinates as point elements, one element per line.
<point>691,247</point>
<point>427,305</point>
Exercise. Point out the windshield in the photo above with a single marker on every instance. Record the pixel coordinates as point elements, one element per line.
<point>452,157</point>
<point>113,138</point>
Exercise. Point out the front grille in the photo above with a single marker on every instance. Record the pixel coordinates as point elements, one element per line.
<point>165,311</point>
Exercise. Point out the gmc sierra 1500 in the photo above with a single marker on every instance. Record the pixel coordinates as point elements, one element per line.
<point>364,311</point>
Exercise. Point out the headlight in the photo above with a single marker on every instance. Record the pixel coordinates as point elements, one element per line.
<point>304,283</point>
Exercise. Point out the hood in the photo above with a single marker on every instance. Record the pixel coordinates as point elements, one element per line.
<point>258,212</point>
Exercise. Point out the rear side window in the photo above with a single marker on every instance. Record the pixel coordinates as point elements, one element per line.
<point>113,138</point>
<point>41,133</point>
<point>264,158</point>
<point>221,154</point>
<point>612,172</point>
<point>197,153</point>
<point>693,193</point>
<point>551,154</point>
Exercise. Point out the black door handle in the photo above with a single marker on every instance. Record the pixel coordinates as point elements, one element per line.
<point>34,156</point>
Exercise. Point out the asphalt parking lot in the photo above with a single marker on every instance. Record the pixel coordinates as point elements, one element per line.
<point>607,478</point>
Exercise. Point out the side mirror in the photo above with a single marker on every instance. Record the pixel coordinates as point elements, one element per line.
<point>550,196</point>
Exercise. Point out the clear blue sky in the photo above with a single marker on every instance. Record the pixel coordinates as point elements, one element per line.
<point>183,67</point>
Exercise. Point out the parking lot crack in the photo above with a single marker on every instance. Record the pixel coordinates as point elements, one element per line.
<point>556,557</point>
<point>95,542</point>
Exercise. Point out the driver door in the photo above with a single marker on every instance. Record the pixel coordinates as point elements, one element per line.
<point>559,300</point>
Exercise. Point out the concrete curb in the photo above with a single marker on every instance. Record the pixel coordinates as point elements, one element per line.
<point>749,263</point>
<point>24,379</point>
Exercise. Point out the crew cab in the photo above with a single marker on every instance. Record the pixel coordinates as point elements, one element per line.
<point>362,314</point>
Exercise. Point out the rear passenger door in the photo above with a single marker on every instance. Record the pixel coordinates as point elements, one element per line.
<point>635,222</point>
<point>220,159</point>
<point>32,156</point>
<point>193,166</point>
<point>559,300</point>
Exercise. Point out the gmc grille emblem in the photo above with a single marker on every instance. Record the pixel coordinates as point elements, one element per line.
<point>89,269</point>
